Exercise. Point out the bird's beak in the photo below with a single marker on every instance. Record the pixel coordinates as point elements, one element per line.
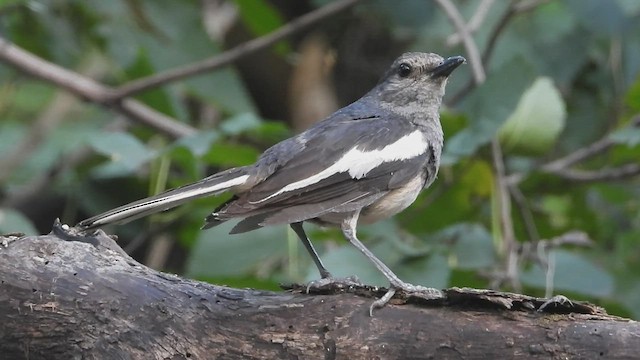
<point>447,66</point>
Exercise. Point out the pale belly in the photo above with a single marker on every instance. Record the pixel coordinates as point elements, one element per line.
<point>392,203</point>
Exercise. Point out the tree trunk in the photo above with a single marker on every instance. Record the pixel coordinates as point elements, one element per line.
<point>74,300</point>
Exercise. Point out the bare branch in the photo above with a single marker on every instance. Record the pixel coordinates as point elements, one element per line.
<point>470,45</point>
<point>234,54</point>
<point>514,9</point>
<point>584,153</point>
<point>88,89</point>
<point>607,174</point>
<point>509,248</point>
<point>561,166</point>
<point>525,211</point>
<point>474,24</point>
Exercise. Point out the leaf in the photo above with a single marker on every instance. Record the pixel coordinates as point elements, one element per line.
<point>240,123</point>
<point>474,247</point>
<point>262,18</point>
<point>346,261</point>
<point>572,273</point>
<point>431,271</point>
<point>259,16</point>
<point>537,121</point>
<point>198,144</point>
<point>627,136</point>
<point>226,155</point>
<point>600,16</point>
<point>632,97</point>
<point>13,221</point>
<point>490,104</point>
<point>126,153</point>
<point>217,254</point>
<point>557,208</point>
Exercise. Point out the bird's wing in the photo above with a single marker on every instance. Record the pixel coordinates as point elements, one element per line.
<point>347,161</point>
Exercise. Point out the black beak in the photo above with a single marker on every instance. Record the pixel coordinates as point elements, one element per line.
<point>447,66</point>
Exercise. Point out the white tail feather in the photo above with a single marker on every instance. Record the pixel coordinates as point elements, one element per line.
<point>164,201</point>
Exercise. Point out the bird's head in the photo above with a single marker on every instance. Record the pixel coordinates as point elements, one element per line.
<point>416,80</point>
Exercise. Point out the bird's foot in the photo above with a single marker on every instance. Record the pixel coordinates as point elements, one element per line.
<point>423,292</point>
<point>556,300</point>
<point>330,283</point>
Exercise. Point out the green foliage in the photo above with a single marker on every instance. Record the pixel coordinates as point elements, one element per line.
<point>560,76</point>
<point>538,119</point>
<point>12,221</point>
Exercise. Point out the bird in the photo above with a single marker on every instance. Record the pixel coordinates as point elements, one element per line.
<point>366,162</point>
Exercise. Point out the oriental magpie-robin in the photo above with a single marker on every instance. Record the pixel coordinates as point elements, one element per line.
<point>366,162</point>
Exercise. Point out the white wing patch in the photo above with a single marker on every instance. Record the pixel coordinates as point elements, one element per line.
<point>359,163</point>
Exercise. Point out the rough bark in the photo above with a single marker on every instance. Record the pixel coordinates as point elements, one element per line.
<point>71,300</point>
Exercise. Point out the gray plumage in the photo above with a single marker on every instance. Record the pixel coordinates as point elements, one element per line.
<point>367,161</point>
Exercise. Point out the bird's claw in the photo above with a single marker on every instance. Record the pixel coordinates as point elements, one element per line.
<point>423,292</point>
<point>558,299</point>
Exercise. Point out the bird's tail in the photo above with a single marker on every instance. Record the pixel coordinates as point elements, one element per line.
<point>212,185</point>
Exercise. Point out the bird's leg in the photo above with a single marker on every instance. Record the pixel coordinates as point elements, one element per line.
<point>299,230</point>
<point>349,231</point>
<point>326,278</point>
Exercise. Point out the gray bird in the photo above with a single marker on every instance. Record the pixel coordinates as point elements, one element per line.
<point>366,162</point>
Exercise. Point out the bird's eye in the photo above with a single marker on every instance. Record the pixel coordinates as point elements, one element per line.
<point>404,70</point>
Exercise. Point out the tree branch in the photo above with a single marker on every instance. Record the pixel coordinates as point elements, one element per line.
<point>234,54</point>
<point>474,23</point>
<point>503,202</point>
<point>513,10</point>
<point>561,166</point>
<point>88,89</point>
<point>71,299</point>
<point>586,152</point>
<point>469,44</point>
<point>606,174</point>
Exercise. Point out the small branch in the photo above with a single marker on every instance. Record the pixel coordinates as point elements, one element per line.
<point>584,153</point>
<point>47,121</point>
<point>561,166</point>
<point>506,222</point>
<point>474,24</point>
<point>470,45</point>
<point>540,252</point>
<point>88,89</point>
<point>608,174</point>
<point>234,54</point>
<point>525,211</point>
<point>514,9</point>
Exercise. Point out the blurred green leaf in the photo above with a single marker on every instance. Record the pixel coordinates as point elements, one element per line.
<point>125,152</point>
<point>30,96</point>
<point>630,7</point>
<point>572,272</point>
<point>231,155</point>
<point>491,104</point>
<point>600,16</point>
<point>632,97</point>
<point>240,123</point>
<point>199,143</point>
<point>262,18</point>
<point>12,221</point>
<point>627,136</point>
<point>259,16</point>
<point>431,271</point>
<point>537,121</point>
<point>218,254</point>
<point>473,248</point>
<point>346,261</point>
<point>557,208</point>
